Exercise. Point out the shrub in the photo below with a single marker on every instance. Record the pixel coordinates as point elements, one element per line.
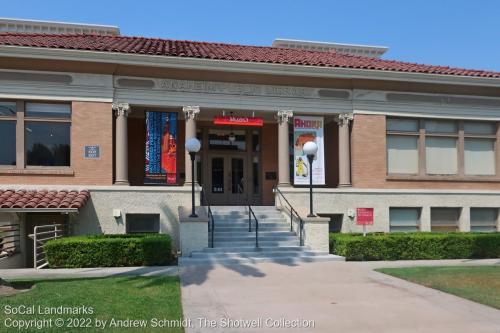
<point>109,251</point>
<point>411,246</point>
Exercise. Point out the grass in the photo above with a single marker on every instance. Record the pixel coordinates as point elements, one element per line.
<point>477,283</point>
<point>121,298</point>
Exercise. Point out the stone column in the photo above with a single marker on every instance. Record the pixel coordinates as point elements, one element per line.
<point>283,147</point>
<point>121,149</point>
<point>190,113</point>
<point>343,121</point>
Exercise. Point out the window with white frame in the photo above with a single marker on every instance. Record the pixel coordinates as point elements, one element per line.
<point>441,147</point>
<point>402,146</point>
<point>434,147</point>
<point>483,219</point>
<point>444,219</point>
<point>479,148</point>
<point>404,219</point>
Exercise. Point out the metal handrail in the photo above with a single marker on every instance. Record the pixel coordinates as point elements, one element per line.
<point>292,213</point>
<point>57,231</point>
<point>211,224</point>
<point>250,214</point>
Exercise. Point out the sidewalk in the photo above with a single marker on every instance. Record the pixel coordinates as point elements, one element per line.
<point>63,273</point>
<point>336,296</point>
<point>416,263</point>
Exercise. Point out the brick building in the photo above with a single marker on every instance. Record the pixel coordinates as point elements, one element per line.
<point>93,126</point>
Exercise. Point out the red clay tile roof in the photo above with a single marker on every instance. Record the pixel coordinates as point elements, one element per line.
<point>231,52</point>
<point>43,199</point>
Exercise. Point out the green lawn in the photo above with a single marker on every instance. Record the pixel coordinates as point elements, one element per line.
<point>477,283</point>
<point>121,298</point>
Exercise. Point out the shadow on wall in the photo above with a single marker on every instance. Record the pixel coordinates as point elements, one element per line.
<point>172,220</point>
<point>87,222</point>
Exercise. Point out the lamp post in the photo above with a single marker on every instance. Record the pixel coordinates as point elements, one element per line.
<point>193,146</point>
<point>310,149</point>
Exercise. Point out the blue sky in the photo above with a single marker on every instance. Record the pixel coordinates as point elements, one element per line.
<point>441,32</point>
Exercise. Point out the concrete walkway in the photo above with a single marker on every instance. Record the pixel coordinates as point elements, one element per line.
<point>336,296</point>
<point>31,273</point>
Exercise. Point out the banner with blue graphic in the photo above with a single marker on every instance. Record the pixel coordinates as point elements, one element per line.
<point>161,148</point>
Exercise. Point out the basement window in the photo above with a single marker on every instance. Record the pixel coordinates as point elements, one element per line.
<point>404,219</point>
<point>142,223</point>
<point>483,219</point>
<point>444,219</point>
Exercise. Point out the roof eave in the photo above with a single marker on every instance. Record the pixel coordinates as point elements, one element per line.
<point>39,210</point>
<point>240,66</point>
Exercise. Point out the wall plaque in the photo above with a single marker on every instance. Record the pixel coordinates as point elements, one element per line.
<point>92,152</point>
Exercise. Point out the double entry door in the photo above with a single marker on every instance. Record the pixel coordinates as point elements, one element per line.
<point>227,179</point>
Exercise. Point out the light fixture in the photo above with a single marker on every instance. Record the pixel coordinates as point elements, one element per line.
<point>193,146</point>
<point>310,148</point>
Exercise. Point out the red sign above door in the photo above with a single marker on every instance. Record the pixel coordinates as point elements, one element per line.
<point>238,121</point>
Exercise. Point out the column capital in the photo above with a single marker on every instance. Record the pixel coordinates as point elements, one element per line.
<point>121,108</point>
<point>190,111</point>
<point>343,119</point>
<point>283,115</point>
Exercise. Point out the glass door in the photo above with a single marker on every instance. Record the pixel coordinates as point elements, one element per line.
<point>238,181</point>
<point>227,180</point>
<point>217,191</point>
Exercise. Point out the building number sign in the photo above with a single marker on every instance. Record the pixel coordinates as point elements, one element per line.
<point>92,152</point>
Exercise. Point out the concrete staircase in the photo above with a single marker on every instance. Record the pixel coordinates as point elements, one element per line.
<point>234,244</point>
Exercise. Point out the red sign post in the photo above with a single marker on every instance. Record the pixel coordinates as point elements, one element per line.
<point>364,217</point>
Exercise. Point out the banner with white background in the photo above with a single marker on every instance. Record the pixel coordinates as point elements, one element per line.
<point>308,128</point>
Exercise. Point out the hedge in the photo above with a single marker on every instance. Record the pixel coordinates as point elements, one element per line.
<point>109,251</point>
<point>412,246</point>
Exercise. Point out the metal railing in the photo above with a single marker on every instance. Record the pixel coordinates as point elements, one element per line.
<point>293,213</point>
<point>42,234</point>
<point>9,239</point>
<point>211,224</point>
<point>250,214</point>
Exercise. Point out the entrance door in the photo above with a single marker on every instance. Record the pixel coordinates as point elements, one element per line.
<point>227,180</point>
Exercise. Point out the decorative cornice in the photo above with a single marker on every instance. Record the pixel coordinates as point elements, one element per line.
<point>283,116</point>
<point>190,111</point>
<point>239,66</point>
<point>121,109</point>
<point>344,119</point>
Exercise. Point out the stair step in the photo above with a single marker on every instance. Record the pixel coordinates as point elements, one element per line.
<point>244,208</point>
<point>245,224</point>
<point>252,248</point>
<point>251,238</point>
<point>245,218</point>
<point>244,233</point>
<point>252,242</point>
<point>256,254</point>
<point>262,228</point>
<point>237,261</point>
